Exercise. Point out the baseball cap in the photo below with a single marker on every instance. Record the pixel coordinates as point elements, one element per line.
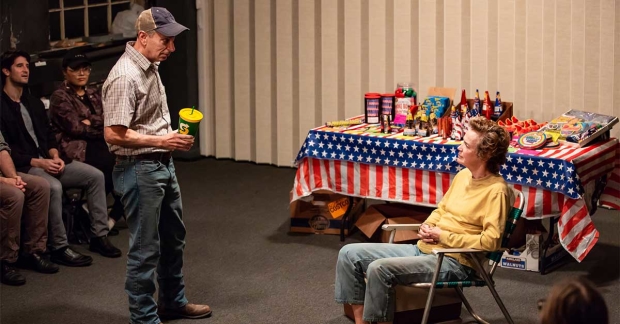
<point>74,59</point>
<point>160,20</point>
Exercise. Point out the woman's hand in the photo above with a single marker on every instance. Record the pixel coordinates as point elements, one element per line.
<point>86,122</point>
<point>429,234</point>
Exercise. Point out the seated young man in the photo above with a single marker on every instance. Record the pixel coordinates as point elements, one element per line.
<point>76,114</point>
<point>472,214</point>
<point>25,127</point>
<point>27,195</point>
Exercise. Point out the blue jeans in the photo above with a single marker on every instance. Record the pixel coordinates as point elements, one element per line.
<point>386,265</point>
<point>152,200</point>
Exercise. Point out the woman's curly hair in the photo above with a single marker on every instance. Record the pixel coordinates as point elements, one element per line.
<point>493,144</point>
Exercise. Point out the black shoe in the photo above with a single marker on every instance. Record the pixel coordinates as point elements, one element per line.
<point>113,232</point>
<point>10,276</point>
<point>66,256</point>
<point>103,246</point>
<point>39,263</point>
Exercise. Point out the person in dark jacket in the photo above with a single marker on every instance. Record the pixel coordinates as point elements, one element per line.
<point>25,126</point>
<point>76,115</point>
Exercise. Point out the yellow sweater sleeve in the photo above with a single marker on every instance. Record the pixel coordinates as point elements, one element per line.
<point>493,224</point>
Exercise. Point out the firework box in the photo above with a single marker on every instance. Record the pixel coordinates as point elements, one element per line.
<point>371,220</point>
<point>322,213</point>
<point>530,256</point>
<point>527,259</point>
<point>579,128</point>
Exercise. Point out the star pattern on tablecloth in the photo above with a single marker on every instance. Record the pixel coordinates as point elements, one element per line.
<point>536,171</point>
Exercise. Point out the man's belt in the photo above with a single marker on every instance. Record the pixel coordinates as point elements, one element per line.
<point>163,157</point>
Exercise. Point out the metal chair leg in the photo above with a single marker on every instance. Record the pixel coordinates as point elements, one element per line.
<point>431,291</point>
<point>478,319</point>
<point>491,286</point>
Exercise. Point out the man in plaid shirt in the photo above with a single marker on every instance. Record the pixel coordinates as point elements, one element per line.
<point>137,130</point>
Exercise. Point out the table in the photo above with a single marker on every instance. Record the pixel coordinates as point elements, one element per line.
<point>562,184</point>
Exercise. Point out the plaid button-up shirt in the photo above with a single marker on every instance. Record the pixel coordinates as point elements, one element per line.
<point>134,97</point>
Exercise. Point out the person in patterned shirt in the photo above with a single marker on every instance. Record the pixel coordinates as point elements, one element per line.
<point>137,129</point>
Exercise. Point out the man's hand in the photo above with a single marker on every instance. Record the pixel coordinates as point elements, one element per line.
<point>51,166</point>
<point>16,182</point>
<point>60,162</point>
<point>175,141</point>
<point>429,234</point>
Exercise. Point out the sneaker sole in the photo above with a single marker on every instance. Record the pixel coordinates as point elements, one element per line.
<point>168,316</point>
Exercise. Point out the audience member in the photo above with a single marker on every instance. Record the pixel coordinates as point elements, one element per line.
<point>26,129</point>
<point>574,301</point>
<point>31,199</point>
<point>137,127</point>
<point>472,214</point>
<point>76,114</point>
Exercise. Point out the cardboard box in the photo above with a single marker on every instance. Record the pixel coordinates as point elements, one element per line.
<point>322,213</point>
<point>507,109</point>
<point>394,213</point>
<point>410,302</point>
<point>529,257</point>
<point>442,92</point>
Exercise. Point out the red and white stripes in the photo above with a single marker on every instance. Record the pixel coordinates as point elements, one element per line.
<point>419,187</point>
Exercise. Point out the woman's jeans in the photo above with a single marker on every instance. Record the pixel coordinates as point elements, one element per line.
<point>385,265</point>
<point>152,200</point>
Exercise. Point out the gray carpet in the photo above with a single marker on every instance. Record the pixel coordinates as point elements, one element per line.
<point>241,260</point>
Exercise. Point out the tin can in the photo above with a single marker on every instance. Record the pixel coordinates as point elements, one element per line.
<point>371,107</point>
<point>387,104</point>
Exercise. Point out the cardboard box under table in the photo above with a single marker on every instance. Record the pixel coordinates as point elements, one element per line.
<point>409,301</point>
<point>394,213</point>
<point>538,248</point>
<point>323,213</point>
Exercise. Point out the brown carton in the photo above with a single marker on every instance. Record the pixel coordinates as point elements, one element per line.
<point>443,92</point>
<point>506,108</point>
<point>409,306</point>
<point>394,213</point>
<point>323,213</point>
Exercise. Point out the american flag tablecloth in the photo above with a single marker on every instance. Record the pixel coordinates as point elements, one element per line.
<point>419,171</point>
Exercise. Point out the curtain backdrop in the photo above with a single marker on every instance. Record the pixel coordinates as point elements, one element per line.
<point>272,69</point>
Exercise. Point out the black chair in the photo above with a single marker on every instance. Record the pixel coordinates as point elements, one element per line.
<point>75,218</point>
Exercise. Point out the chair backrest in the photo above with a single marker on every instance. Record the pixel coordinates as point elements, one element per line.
<point>511,224</point>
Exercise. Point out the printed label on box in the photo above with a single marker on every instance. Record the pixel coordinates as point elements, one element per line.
<point>515,263</point>
<point>338,208</point>
<point>319,223</point>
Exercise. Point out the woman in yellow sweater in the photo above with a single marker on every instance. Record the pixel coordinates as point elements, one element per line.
<point>472,214</point>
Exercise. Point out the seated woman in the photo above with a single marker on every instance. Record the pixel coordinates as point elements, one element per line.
<point>77,119</point>
<point>472,214</point>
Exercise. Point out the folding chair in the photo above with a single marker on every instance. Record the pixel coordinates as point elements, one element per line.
<point>485,277</point>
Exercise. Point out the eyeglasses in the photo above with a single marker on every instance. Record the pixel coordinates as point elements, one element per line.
<point>85,70</point>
